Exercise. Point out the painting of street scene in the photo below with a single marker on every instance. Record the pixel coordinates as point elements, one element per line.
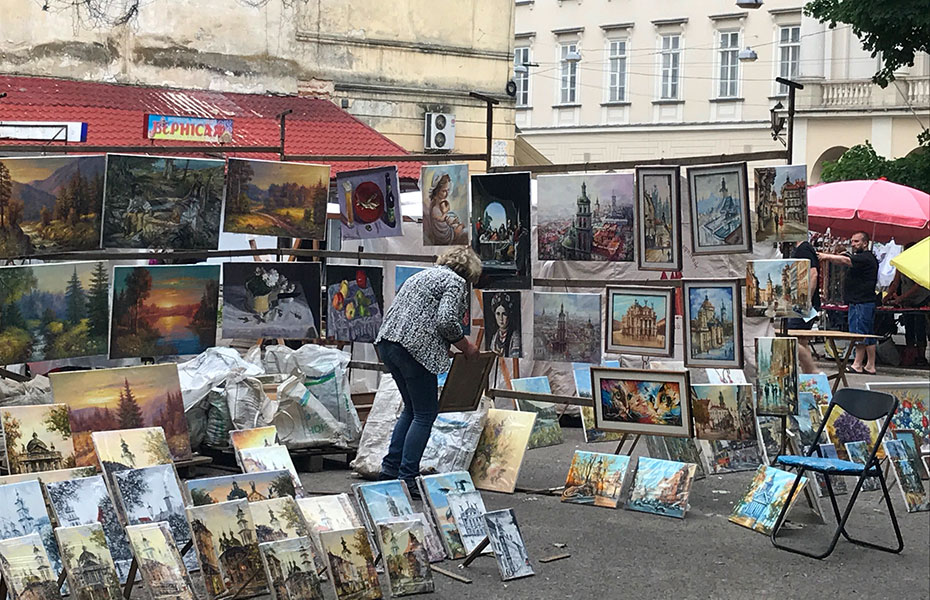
<point>284,199</point>
<point>290,569</point>
<point>253,487</point>
<point>50,204</point>
<point>354,303</point>
<point>445,204</point>
<point>123,398</point>
<point>500,229</point>
<point>777,376</point>
<point>499,454</point>
<point>858,452</point>
<point>507,543</point>
<point>763,501</point>
<point>53,311</point>
<point>87,561</point>
<point>661,487</point>
<point>908,473</point>
<point>277,519</point>
<point>546,429</point>
<point>26,570</point>
<point>728,456</point>
<point>567,327</point>
<point>712,324</point>
<point>163,202</point>
<point>585,217</point>
<point>164,310</point>
<point>437,488</point>
<point>719,209</point>
<point>641,320</point>
<point>658,218</point>
<point>160,565</point>
<point>595,478</point>
<point>271,300</point>
<point>26,514</point>
<point>646,402</point>
<point>37,438</point>
<point>404,555</point>
<point>351,565</point>
<point>723,412</point>
<point>781,204</point>
<point>778,288</point>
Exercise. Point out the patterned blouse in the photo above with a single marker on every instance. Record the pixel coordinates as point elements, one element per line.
<point>426,316</point>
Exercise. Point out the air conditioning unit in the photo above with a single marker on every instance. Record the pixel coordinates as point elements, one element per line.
<point>439,132</point>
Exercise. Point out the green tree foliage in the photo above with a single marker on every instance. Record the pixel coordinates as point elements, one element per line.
<point>98,301</point>
<point>57,420</point>
<point>200,497</point>
<point>862,162</point>
<point>238,178</point>
<point>130,415</point>
<point>12,433</point>
<point>14,284</point>
<point>75,299</point>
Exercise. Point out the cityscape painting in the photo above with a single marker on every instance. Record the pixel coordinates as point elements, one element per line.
<point>37,438</point>
<point>26,514</point>
<point>500,229</point>
<point>763,501</point>
<point>781,204</point>
<point>713,326</point>
<point>650,402</point>
<point>777,376</point>
<point>435,490</point>
<point>595,478</point>
<point>719,210</point>
<point>405,559</point>
<point>641,320</point>
<point>658,218</point>
<point>567,327</point>
<point>466,509</point>
<point>270,458</point>
<point>328,513</point>
<point>26,570</point>
<point>445,204</point>
<point>290,569</point>
<point>253,487</point>
<point>908,473</point>
<point>661,487</point>
<point>351,564</point>
<point>160,564</point>
<point>91,573</point>
<point>778,288</point>
<point>723,412</point>
<point>277,519</point>
<point>507,543</point>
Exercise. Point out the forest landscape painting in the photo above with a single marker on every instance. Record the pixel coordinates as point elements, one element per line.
<point>164,310</point>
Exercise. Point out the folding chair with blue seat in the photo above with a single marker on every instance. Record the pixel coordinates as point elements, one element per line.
<point>865,405</point>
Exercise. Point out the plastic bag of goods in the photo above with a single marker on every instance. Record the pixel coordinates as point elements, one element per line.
<point>376,437</point>
<point>218,422</point>
<point>301,419</point>
<point>248,404</point>
<point>209,369</point>
<point>453,440</point>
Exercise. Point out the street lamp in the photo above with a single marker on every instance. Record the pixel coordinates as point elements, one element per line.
<point>777,121</point>
<point>747,54</point>
<point>749,3</point>
<point>573,56</point>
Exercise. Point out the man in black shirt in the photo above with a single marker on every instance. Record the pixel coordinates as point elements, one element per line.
<point>859,293</point>
<point>805,250</point>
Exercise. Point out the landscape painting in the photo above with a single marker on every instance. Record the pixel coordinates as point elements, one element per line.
<point>284,199</point>
<point>160,564</point>
<point>466,509</point>
<point>723,412</point>
<point>270,458</point>
<point>777,376</point>
<point>585,217</point>
<point>123,398</point>
<point>507,543</point>
<point>567,327</point>
<point>126,449</point>
<point>328,513</point>
<point>503,323</point>
<point>445,204</point>
<point>277,519</point>
<point>499,454</point>
<point>908,473</point>
<point>719,210</point>
<point>713,326</point>
<point>253,487</point>
<point>640,320</point>
<point>778,288</point>
<point>26,570</point>
<point>781,204</point>
<point>271,300</point>
<point>86,558</point>
<point>354,303</point>
<point>163,202</point>
<point>50,204</point>
<point>405,559</point>
<point>500,229</point>
<point>351,565</point>
<point>257,437</point>
<point>763,501</point>
<point>546,429</point>
<point>582,375</point>
<point>164,310</point>
<point>26,514</point>
<point>658,218</point>
<point>913,406</point>
<point>369,203</point>
<point>661,487</point>
<point>53,311</point>
<point>595,478</point>
<point>435,489</point>
<point>290,569</point>
<point>650,402</point>
<point>37,438</point>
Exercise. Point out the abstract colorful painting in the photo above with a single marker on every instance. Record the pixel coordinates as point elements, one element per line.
<point>160,564</point>
<point>354,303</point>
<point>567,327</point>
<point>908,473</point>
<point>713,325</point>
<point>500,229</point>
<point>726,456</point>
<point>164,310</point>
<point>328,513</point>
<point>719,209</point>
<point>546,429</point>
<point>253,487</point>
<point>26,513</point>
<point>781,204</point>
<point>507,543</point>
<point>640,320</point>
<point>271,300</point>
<point>585,217</point>
<point>658,218</point>
<point>913,406</point>
<point>503,330</point>
<point>499,454</point>
<point>466,510</point>
<point>37,438</point>
<point>369,203</point>
<point>842,428</point>
<point>777,376</point>
<point>858,452</point>
<point>818,385</point>
<point>595,478</point>
<point>291,570</point>
<point>351,565</point>
<point>125,449</point>
<point>270,458</point>
<point>123,398</point>
<point>723,412</point>
<point>763,501</point>
<point>26,570</point>
<point>86,558</point>
<point>778,288</point>
<point>284,199</point>
<point>582,376</point>
<point>661,487</point>
<point>277,519</point>
<point>54,311</point>
<point>445,204</point>
<point>650,402</point>
<point>405,558</point>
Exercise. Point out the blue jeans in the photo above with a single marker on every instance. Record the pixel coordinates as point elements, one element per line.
<point>420,391</point>
<point>862,320</point>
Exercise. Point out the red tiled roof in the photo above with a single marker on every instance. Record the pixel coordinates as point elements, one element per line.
<point>115,116</point>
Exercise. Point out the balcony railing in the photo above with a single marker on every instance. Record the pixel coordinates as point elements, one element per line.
<point>836,94</point>
<point>862,94</point>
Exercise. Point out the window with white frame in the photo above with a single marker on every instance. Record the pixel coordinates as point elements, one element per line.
<point>728,58</point>
<point>521,77</point>
<point>789,51</point>
<point>670,57</point>
<point>568,56</point>
<point>616,70</point>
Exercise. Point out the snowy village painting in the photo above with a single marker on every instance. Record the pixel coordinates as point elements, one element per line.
<point>781,203</point>
<point>500,229</point>
<point>123,398</point>
<point>661,487</point>
<point>284,199</point>
<point>436,489</point>
<point>760,506</point>
<point>26,570</point>
<point>585,217</point>
<point>778,288</point>
<point>53,311</point>
<point>351,565</point>
<point>713,326</point>
<point>658,218</point>
<point>253,487</point>
<point>163,202</point>
<point>37,438</point>
<point>405,558</point>
<point>290,569</point>
<point>164,310</point>
<point>50,204</point>
<point>723,412</point>
<point>595,478</point>
<point>26,514</point>
<point>271,300</point>
<point>650,402</point>
<point>507,543</point>
<point>160,564</point>
<point>567,327</point>
<point>719,209</point>
<point>89,567</point>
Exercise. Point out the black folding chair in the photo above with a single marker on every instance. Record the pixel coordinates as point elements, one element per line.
<point>866,406</point>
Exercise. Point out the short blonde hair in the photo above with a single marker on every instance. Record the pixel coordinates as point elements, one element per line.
<point>463,261</point>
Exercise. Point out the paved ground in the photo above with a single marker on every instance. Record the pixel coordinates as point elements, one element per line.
<point>626,554</point>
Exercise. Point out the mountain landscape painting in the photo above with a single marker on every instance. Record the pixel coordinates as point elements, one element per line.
<point>50,204</point>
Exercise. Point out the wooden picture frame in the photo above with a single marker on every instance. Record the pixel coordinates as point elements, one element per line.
<point>733,237</point>
<point>623,381</point>
<point>646,179</point>
<point>466,382</point>
<point>644,325</point>
<point>729,296</point>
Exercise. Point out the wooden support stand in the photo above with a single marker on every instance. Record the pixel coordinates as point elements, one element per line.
<point>633,442</point>
<point>476,552</point>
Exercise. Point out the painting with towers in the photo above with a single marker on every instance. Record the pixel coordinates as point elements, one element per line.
<point>567,327</point>
<point>159,562</point>
<point>24,514</point>
<point>89,567</point>
<point>291,570</point>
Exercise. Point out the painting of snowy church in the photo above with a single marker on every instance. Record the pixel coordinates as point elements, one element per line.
<point>719,209</point>
<point>764,499</point>
<point>405,558</point>
<point>781,203</point>
<point>507,543</point>
<point>567,327</point>
<point>160,564</point>
<point>87,561</point>
<point>290,569</point>
<point>25,568</point>
<point>37,438</point>
<point>585,217</point>
<point>24,514</point>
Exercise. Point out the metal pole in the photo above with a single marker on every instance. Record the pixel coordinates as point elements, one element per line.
<point>793,86</point>
<point>489,125</point>
<point>281,118</point>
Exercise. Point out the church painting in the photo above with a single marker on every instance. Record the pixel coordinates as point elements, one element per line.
<point>405,558</point>
<point>661,487</point>
<point>713,325</point>
<point>159,561</point>
<point>500,229</point>
<point>658,218</point>
<point>270,458</point>
<point>567,327</point>
<point>25,513</point>
<point>763,501</point>
<point>436,489</point>
<point>277,519</point>
<point>778,288</point>
<point>253,487</point>
<point>585,217</point>
<point>26,569</point>
<point>384,499</point>
<point>723,412</point>
<point>329,513</point>
<point>650,402</point>
<point>37,438</point>
<point>781,204</point>
<point>291,570</point>
<point>640,320</point>
<point>351,564</point>
<point>719,210</point>
<point>89,567</point>
<point>513,561</point>
<point>467,512</point>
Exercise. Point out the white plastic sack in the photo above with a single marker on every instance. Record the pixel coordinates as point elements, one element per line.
<point>35,391</point>
<point>208,369</point>
<point>376,437</point>
<point>453,440</point>
<point>302,421</point>
<point>249,406</point>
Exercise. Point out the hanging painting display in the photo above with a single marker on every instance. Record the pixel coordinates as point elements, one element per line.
<point>37,438</point>
<point>351,565</point>
<point>242,486</point>
<point>595,478</point>
<point>445,204</point>
<point>585,217</point>
<point>778,288</point>
<point>499,454</point>
<point>163,202</point>
<point>269,197</point>
<point>54,311</point>
<point>777,376</point>
<point>500,229</point>
<point>661,487</point>
<point>713,324</point>
<point>25,513</point>
<point>26,570</point>
<point>405,558</point>
<point>271,300</point>
<point>435,490</point>
<point>719,210</point>
<point>781,204</point>
<point>290,569</point>
<point>913,406</point>
<point>546,429</point>
<point>567,327</point>
<point>369,203</point>
<point>86,558</point>
<point>640,320</point>
<point>503,331</point>
<point>160,564</point>
<point>723,412</point>
<point>908,473</point>
<point>763,501</point>
<point>650,402</point>
<point>354,303</point>
<point>507,543</point>
<point>658,218</point>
